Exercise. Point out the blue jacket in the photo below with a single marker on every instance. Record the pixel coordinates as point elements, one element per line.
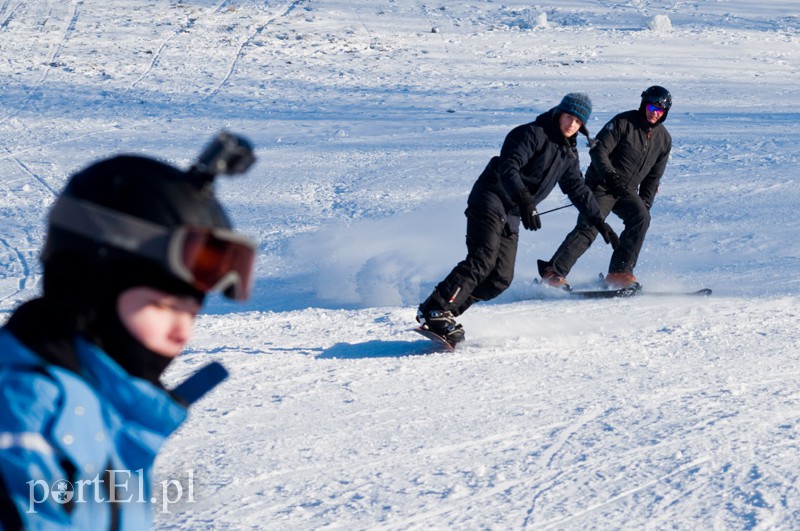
<point>67,438</point>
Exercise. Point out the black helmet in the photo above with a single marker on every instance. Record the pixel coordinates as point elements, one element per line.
<point>136,209</point>
<point>658,96</point>
<point>131,221</point>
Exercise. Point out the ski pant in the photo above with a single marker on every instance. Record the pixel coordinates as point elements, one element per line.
<point>634,214</point>
<point>488,268</point>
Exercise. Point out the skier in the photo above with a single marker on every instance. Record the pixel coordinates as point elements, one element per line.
<point>133,246</point>
<point>628,160</point>
<point>534,158</point>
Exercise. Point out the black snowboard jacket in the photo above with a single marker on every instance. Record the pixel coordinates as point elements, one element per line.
<point>535,156</point>
<point>635,149</point>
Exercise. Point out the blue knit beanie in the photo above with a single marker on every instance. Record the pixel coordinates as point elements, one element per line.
<point>577,104</point>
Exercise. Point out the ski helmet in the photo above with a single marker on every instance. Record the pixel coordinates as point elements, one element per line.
<point>136,209</point>
<point>658,96</point>
<point>131,221</point>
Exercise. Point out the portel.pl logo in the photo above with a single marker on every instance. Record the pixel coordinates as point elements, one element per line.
<point>116,486</point>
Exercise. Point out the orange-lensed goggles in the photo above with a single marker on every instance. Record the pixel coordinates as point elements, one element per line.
<point>213,260</point>
<point>209,259</point>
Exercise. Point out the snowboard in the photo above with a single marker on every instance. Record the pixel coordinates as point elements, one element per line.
<point>603,292</point>
<point>435,338</point>
<point>607,293</point>
<point>636,291</point>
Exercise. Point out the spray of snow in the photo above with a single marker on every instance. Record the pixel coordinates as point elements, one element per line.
<point>646,413</point>
<point>660,24</point>
<point>383,262</point>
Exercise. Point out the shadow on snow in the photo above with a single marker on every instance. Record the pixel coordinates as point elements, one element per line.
<point>379,349</point>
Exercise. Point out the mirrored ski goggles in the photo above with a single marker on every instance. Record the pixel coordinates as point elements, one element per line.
<point>654,108</point>
<point>209,259</point>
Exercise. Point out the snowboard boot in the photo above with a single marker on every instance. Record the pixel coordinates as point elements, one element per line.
<point>554,280</point>
<point>550,277</point>
<point>440,322</point>
<point>621,280</point>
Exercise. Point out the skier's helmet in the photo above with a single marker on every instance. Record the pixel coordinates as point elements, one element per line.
<point>658,96</point>
<point>152,219</point>
<point>131,221</point>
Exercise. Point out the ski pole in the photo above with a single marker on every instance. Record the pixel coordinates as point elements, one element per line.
<point>554,209</point>
<point>563,207</point>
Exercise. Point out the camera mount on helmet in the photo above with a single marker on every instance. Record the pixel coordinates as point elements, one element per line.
<point>227,154</point>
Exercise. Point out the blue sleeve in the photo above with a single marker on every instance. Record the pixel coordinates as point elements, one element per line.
<point>29,463</point>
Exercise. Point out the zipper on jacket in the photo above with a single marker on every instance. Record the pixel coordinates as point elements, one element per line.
<point>647,133</point>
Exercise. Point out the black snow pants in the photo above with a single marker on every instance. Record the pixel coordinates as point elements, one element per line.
<point>489,266</point>
<point>634,214</point>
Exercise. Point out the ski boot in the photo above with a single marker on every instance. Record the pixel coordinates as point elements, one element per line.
<point>554,280</point>
<point>550,277</point>
<point>621,280</point>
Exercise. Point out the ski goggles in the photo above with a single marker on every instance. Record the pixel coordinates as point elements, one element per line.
<point>207,258</point>
<point>655,108</point>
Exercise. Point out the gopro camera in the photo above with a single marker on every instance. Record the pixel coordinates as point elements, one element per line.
<point>227,154</point>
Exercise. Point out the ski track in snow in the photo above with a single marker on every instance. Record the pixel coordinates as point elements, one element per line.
<point>7,13</point>
<point>291,7</point>
<point>70,28</point>
<point>636,431</point>
<point>372,121</point>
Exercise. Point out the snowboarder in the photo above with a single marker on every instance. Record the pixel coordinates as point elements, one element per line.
<point>628,160</point>
<point>133,246</point>
<point>533,159</point>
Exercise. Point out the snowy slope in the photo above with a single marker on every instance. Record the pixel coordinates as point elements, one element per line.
<point>372,120</point>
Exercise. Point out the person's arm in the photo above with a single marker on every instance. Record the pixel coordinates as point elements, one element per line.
<point>573,184</point>
<point>519,147</point>
<point>649,187</point>
<point>605,143</point>
<point>29,463</point>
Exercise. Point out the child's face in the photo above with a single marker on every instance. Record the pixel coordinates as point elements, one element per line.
<point>162,322</point>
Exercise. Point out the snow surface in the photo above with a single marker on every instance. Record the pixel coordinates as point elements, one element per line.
<point>372,120</point>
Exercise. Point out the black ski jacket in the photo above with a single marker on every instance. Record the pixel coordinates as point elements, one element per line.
<point>535,156</point>
<point>633,148</point>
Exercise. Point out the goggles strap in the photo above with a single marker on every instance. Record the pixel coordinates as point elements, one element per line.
<point>111,227</point>
<point>149,240</point>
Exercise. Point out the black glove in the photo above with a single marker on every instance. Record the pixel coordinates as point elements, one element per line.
<point>527,212</point>
<point>647,204</point>
<point>615,185</point>
<point>608,234</point>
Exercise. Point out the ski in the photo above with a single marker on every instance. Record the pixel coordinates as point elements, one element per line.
<point>435,337</point>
